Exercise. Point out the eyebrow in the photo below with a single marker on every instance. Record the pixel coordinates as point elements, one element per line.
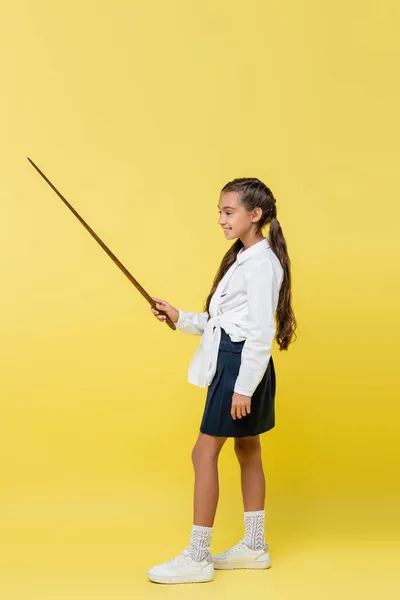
<point>232,207</point>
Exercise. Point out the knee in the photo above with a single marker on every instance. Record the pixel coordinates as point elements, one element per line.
<point>202,454</point>
<point>248,450</point>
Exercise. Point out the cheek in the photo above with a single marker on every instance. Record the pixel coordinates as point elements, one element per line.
<point>237,223</point>
<point>244,223</point>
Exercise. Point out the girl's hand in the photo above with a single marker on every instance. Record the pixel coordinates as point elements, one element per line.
<point>240,406</point>
<point>170,310</point>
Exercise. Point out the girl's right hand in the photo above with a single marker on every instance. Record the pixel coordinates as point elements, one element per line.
<point>170,310</point>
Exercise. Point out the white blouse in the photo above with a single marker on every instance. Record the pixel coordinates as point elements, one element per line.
<point>244,304</point>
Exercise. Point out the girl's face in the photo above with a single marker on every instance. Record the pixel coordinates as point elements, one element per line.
<point>235,221</point>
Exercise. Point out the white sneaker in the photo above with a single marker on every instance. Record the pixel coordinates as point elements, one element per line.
<point>242,557</point>
<point>183,569</point>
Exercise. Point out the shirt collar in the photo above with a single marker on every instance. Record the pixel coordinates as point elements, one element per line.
<point>243,254</point>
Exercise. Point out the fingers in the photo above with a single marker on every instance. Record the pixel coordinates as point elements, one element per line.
<point>161,304</point>
<point>160,316</point>
<point>238,411</point>
<point>159,311</point>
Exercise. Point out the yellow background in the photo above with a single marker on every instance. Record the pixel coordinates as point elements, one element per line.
<point>139,112</point>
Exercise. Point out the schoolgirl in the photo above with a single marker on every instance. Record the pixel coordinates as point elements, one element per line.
<point>251,289</point>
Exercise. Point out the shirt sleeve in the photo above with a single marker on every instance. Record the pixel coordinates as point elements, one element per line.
<point>190,322</point>
<point>262,300</point>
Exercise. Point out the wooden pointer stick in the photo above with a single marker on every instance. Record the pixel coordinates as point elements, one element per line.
<point>110,254</point>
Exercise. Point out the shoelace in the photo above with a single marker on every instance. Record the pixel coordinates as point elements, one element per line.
<point>178,559</point>
<point>239,546</point>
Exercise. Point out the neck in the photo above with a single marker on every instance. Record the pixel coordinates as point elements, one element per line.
<point>250,240</point>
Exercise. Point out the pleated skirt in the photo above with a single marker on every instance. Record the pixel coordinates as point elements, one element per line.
<point>217,419</point>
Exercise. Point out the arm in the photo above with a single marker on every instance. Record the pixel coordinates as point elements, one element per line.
<point>190,322</point>
<point>262,298</point>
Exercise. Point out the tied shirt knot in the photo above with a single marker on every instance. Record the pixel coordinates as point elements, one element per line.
<point>204,362</point>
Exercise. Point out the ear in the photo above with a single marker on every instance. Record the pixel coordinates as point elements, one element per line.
<point>257,214</point>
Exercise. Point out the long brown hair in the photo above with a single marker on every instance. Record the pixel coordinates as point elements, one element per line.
<point>253,193</point>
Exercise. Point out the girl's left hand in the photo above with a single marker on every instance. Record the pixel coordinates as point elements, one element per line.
<point>240,406</point>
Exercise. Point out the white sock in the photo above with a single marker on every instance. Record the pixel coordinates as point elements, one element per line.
<point>254,525</point>
<point>200,542</point>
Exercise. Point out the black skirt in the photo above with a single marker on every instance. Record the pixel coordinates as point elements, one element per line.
<point>217,419</point>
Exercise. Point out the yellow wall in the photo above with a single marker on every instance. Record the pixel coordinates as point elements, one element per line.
<point>140,112</point>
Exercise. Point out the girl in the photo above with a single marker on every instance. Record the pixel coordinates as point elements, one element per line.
<point>234,359</point>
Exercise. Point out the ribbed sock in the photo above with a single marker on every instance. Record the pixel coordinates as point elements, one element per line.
<point>200,542</point>
<point>254,526</point>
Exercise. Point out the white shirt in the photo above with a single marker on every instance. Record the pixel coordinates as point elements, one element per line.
<point>244,304</point>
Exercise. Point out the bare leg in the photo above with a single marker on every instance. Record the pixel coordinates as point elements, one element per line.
<point>206,489</point>
<point>248,452</point>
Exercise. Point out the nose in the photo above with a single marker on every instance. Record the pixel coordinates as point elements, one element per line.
<point>221,220</point>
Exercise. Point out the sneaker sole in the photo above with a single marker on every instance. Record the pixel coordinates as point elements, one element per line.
<point>243,564</point>
<point>198,578</point>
